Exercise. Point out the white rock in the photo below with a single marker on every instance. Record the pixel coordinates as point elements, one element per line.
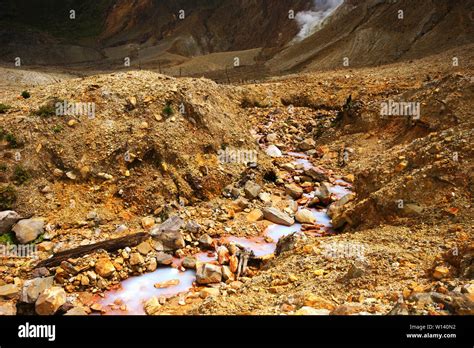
<point>273,151</point>
<point>305,216</point>
<point>28,230</point>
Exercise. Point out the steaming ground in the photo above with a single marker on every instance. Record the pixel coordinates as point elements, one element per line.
<point>310,21</point>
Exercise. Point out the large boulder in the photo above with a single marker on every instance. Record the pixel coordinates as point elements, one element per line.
<point>50,301</point>
<point>28,230</point>
<point>277,216</point>
<point>32,288</point>
<point>169,234</point>
<point>305,216</point>
<point>207,273</point>
<point>337,207</point>
<point>7,219</point>
<point>294,191</point>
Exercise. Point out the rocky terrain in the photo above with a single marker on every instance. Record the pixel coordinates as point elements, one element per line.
<point>328,192</point>
<point>398,234</point>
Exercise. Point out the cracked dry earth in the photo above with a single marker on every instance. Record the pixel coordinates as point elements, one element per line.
<point>381,206</point>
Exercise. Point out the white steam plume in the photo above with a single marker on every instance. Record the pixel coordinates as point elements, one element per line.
<point>310,21</point>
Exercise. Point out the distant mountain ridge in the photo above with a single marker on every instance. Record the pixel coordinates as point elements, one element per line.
<point>204,37</point>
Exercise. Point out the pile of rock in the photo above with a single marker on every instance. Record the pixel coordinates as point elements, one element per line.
<point>232,262</point>
<point>25,230</point>
<point>41,293</point>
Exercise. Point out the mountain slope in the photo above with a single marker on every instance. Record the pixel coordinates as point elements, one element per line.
<point>371,33</point>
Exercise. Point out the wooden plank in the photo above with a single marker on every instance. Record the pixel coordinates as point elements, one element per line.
<point>108,245</point>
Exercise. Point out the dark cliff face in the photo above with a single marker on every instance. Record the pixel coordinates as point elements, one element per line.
<point>216,25</point>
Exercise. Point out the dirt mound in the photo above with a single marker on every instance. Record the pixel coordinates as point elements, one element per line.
<point>150,140</point>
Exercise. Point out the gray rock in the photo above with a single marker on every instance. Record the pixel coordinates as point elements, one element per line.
<point>32,288</point>
<point>273,151</point>
<point>354,272</point>
<point>294,191</point>
<point>316,174</point>
<point>307,144</point>
<point>40,272</point>
<point>252,189</point>
<point>121,228</point>
<point>207,273</point>
<point>289,242</point>
<point>173,224</point>
<point>206,241</point>
<point>421,298</point>
<point>230,191</point>
<point>164,258</point>
<point>28,230</point>
<point>7,219</point>
<point>169,234</point>
<point>189,262</point>
<point>322,195</point>
<point>399,309</point>
<point>277,216</point>
<point>323,192</point>
<point>192,227</point>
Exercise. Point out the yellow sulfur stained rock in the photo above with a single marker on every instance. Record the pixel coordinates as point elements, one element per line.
<point>441,272</point>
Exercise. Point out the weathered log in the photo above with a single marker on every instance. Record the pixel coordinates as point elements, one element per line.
<point>108,245</point>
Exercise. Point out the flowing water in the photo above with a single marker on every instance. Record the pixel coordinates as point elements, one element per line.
<point>136,290</point>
